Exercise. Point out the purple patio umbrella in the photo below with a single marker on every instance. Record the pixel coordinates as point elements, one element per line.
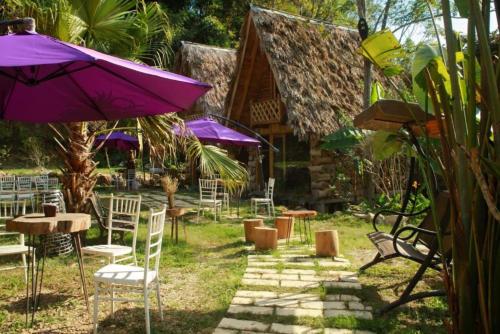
<point>44,80</point>
<point>208,130</point>
<point>118,140</point>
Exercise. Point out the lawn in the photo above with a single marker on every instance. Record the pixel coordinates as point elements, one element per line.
<point>199,278</point>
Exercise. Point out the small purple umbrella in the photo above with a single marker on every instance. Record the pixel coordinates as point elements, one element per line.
<point>208,130</point>
<point>45,80</point>
<point>118,140</point>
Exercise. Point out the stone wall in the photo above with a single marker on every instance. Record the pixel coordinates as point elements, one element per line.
<point>321,170</point>
<point>333,175</point>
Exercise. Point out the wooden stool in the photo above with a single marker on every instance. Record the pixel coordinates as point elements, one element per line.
<point>284,226</point>
<point>249,225</point>
<point>266,238</point>
<point>327,243</point>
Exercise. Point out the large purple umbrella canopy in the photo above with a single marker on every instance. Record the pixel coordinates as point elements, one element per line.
<point>46,80</point>
<point>118,140</point>
<point>208,130</point>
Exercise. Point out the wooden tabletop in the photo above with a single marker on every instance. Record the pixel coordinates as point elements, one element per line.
<point>38,224</point>
<point>300,213</point>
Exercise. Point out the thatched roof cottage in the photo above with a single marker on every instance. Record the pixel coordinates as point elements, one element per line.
<point>208,64</point>
<point>297,80</point>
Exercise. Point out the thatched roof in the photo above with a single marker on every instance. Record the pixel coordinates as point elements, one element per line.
<point>208,64</point>
<point>317,70</point>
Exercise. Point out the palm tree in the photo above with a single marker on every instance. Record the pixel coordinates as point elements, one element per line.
<point>126,28</point>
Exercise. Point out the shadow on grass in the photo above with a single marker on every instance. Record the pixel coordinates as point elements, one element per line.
<point>47,300</point>
<point>132,320</point>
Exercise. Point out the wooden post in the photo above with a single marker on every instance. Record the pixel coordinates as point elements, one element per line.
<point>271,156</point>
<point>283,224</point>
<point>265,238</point>
<point>327,243</point>
<point>249,225</point>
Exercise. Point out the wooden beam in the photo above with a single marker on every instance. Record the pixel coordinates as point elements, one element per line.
<point>283,155</point>
<point>246,84</point>
<point>240,64</point>
<point>278,129</point>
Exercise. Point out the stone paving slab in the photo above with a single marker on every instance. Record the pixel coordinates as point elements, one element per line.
<point>257,310</point>
<point>244,325</point>
<point>298,312</point>
<point>293,269</point>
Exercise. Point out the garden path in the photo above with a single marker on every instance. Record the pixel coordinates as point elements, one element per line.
<point>291,292</point>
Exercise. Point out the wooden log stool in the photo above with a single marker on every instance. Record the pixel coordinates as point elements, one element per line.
<point>327,243</point>
<point>249,225</point>
<point>266,238</point>
<point>284,226</point>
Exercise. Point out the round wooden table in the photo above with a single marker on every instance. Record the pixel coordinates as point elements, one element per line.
<point>36,224</point>
<point>306,216</point>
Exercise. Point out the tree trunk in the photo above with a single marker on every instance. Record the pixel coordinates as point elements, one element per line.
<point>78,172</point>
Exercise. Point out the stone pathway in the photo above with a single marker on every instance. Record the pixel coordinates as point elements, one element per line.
<point>292,284</point>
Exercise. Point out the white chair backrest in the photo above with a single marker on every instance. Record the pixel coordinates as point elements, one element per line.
<point>154,239</point>
<point>9,210</point>
<point>270,188</point>
<point>54,197</point>
<point>42,182</point>
<point>208,189</point>
<point>8,183</point>
<point>131,174</point>
<point>53,183</point>
<point>123,215</point>
<point>24,183</point>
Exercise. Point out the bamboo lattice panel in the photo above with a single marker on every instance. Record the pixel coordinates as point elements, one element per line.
<point>265,112</point>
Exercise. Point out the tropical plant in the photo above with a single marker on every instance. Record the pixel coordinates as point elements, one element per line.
<point>131,29</point>
<point>170,186</point>
<point>458,84</point>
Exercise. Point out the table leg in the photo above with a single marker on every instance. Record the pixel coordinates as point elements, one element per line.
<point>310,232</point>
<point>42,259</point>
<point>176,230</point>
<point>172,229</point>
<point>300,229</point>
<point>289,229</point>
<point>29,275</point>
<point>184,227</point>
<point>32,279</point>
<point>78,249</point>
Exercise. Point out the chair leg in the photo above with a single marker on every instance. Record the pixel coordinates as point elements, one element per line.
<point>158,296</point>
<point>96,306</point>
<point>272,207</point>
<point>198,214</point>
<point>112,292</point>
<point>146,310</point>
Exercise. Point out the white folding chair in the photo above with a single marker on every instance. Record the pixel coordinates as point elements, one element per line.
<point>132,183</point>
<point>117,278</point>
<point>7,188</point>
<point>267,200</point>
<point>41,182</point>
<point>123,215</point>
<point>25,190</point>
<point>53,183</point>
<point>208,197</point>
<point>8,210</point>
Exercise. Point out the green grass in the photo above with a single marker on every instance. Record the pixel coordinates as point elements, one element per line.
<point>200,276</point>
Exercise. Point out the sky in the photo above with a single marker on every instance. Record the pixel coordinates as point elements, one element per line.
<point>460,25</point>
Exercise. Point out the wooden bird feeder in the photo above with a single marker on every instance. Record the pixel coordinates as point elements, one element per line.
<point>391,115</point>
